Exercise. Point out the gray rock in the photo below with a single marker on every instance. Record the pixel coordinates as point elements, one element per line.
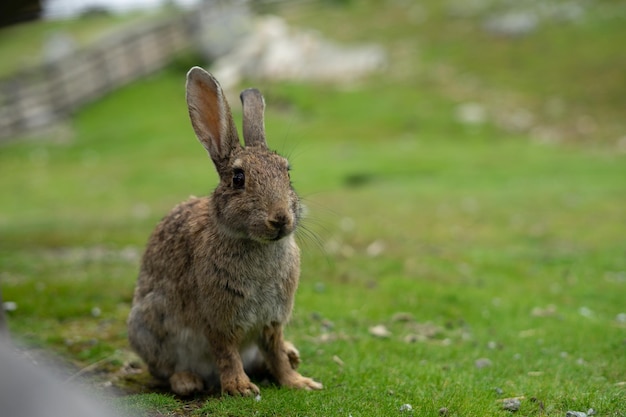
<point>575,414</point>
<point>512,24</point>
<point>406,407</point>
<point>483,363</point>
<point>589,413</point>
<point>511,404</point>
<point>274,51</point>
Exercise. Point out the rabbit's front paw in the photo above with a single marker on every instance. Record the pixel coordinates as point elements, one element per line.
<point>186,383</point>
<point>240,385</point>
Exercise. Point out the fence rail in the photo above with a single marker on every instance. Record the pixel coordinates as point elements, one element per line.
<point>41,95</point>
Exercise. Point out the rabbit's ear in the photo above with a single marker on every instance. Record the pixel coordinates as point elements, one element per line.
<point>253,125</point>
<point>210,115</point>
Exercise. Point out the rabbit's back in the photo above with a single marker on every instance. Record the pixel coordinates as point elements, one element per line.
<point>168,258</point>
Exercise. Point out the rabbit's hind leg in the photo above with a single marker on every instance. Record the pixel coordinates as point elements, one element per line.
<point>159,350</point>
<point>185,383</point>
<point>150,341</point>
<point>292,354</point>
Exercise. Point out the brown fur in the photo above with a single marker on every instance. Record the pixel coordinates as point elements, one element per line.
<point>219,274</point>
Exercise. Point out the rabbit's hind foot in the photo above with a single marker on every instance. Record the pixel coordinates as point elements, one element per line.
<point>185,383</point>
<point>294,380</point>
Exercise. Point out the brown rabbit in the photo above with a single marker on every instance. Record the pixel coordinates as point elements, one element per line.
<point>217,280</point>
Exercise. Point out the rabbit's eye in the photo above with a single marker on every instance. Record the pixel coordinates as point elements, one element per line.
<point>239,179</point>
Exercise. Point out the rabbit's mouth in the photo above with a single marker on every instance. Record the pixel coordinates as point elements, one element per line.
<point>277,226</point>
<point>273,233</point>
<point>281,233</point>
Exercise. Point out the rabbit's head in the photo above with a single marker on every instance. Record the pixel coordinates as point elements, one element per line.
<point>254,199</point>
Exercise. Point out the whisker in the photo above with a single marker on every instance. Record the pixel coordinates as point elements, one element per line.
<point>308,236</point>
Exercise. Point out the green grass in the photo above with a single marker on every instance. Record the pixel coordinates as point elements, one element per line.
<point>499,245</point>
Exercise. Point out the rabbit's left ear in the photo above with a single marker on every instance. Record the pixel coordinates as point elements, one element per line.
<point>253,124</point>
<point>210,116</point>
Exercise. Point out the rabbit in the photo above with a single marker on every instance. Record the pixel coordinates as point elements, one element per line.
<point>217,280</point>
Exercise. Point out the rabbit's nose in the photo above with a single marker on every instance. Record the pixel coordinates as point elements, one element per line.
<point>278,221</point>
<point>278,224</point>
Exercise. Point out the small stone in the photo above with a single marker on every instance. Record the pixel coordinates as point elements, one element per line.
<point>511,404</point>
<point>408,317</point>
<point>406,407</point>
<point>527,333</point>
<point>412,338</point>
<point>512,24</point>
<point>471,114</point>
<point>483,363</point>
<point>428,330</point>
<point>575,414</point>
<point>443,411</point>
<point>327,325</point>
<point>338,360</point>
<point>548,311</point>
<point>9,306</point>
<point>375,248</point>
<point>380,331</point>
<point>327,337</point>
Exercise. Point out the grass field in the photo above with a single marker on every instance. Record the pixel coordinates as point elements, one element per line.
<point>493,252</point>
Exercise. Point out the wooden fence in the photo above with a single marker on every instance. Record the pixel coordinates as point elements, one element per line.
<point>42,95</point>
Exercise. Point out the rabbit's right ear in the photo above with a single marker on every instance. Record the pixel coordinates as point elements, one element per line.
<point>210,116</point>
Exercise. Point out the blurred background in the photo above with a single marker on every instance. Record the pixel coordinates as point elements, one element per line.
<point>463,162</point>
